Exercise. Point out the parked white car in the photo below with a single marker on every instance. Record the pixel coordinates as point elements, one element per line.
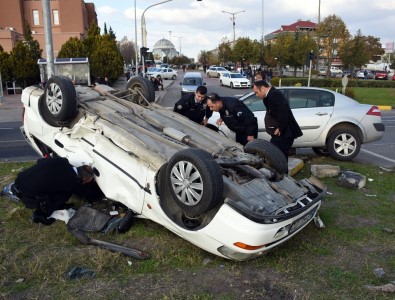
<point>165,73</point>
<point>234,80</point>
<point>233,201</point>
<point>331,123</point>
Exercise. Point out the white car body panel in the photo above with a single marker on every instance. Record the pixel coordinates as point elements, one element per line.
<point>128,162</point>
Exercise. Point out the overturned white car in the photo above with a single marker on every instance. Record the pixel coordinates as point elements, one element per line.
<point>233,201</point>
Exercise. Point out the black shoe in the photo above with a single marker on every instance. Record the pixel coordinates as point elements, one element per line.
<point>39,217</point>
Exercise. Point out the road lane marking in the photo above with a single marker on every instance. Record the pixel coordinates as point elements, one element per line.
<point>378,155</point>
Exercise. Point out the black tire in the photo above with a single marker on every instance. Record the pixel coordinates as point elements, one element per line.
<point>145,87</point>
<point>321,151</point>
<point>271,156</point>
<point>59,103</point>
<point>231,85</point>
<point>220,83</point>
<point>174,77</point>
<point>344,144</point>
<point>195,181</point>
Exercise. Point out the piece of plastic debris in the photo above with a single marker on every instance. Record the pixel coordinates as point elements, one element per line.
<point>370,179</point>
<point>329,193</point>
<point>19,280</point>
<point>379,272</point>
<point>388,230</point>
<point>114,213</point>
<point>318,222</point>
<point>130,262</point>
<point>368,195</point>
<point>389,287</point>
<point>79,272</point>
<point>206,261</point>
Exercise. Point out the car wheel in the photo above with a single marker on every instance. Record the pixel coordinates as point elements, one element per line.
<point>208,74</point>
<point>174,77</point>
<point>231,85</point>
<point>195,180</point>
<point>58,103</point>
<point>142,85</point>
<point>344,144</point>
<point>272,157</point>
<point>322,151</point>
<point>220,83</point>
<point>218,75</point>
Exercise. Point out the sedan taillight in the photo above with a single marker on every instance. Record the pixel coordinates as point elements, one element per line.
<point>374,111</point>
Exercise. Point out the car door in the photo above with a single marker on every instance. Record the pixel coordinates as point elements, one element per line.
<point>164,73</point>
<point>225,79</point>
<point>312,110</point>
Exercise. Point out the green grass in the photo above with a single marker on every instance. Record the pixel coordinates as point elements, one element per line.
<point>377,96</point>
<point>336,262</point>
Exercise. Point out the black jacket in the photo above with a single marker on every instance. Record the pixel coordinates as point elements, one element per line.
<point>188,107</point>
<point>278,107</point>
<point>238,117</point>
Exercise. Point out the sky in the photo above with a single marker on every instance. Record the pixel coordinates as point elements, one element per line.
<point>193,26</point>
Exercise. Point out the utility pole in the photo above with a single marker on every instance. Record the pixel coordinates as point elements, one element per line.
<point>179,37</point>
<point>48,38</point>
<point>233,21</point>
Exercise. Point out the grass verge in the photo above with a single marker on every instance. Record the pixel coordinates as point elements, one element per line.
<point>336,262</point>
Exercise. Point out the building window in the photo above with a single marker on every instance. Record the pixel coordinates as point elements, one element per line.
<point>55,13</point>
<point>36,17</point>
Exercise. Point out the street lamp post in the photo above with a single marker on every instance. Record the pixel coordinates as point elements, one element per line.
<point>144,32</point>
<point>179,37</point>
<point>233,21</point>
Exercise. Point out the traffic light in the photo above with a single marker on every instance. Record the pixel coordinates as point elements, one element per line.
<point>143,51</point>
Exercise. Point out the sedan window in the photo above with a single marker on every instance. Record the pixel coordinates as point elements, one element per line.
<point>254,103</point>
<point>306,98</point>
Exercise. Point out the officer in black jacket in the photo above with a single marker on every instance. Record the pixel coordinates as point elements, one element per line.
<point>236,115</point>
<point>194,106</point>
<point>48,185</point>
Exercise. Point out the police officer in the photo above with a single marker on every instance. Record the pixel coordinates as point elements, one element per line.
<point>194,106</point>
<point>236,115</point>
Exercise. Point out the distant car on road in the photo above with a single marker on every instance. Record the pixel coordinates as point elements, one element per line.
<point>190,82</point>
<point>234,80</point>
<point>361,74</point>
<point>381,75</point>
<point>334,71</point>
<point>331,123</point>
<point>165,73</point>
<point>216,71</point>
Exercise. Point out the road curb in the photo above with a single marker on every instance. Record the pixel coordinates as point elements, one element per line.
<point>294,165</point>
<point>384,107</point>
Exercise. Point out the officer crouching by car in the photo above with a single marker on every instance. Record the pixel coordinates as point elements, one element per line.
<point>194,107</point>
<point>236,115</point>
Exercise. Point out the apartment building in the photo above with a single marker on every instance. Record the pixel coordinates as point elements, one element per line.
<point>69,18</point>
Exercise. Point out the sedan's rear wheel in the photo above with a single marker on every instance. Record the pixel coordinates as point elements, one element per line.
<point>142,86</point>
<point>344,144</point>
<point>196,181</point>
<point>272,158</point>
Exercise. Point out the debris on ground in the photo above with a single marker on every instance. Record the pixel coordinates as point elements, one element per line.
<point>351,180</point>
<point>321,171</point>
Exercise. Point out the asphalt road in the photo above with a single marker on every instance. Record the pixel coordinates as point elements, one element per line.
<point>13,147</point>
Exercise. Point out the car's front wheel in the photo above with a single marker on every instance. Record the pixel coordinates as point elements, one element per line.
<point>195,180</point>
<point>59,104</point>
<point>231,85</point>
<point>174,77</point>
<point>344,144</point>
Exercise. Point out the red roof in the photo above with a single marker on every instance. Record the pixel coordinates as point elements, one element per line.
<point>296,27</point>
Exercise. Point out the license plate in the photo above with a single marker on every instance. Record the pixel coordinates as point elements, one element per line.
<point>302,220</point>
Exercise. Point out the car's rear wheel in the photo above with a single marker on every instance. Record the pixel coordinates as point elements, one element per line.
<point>195,180</point>
<point>58,105</point>
<point>221,83</point>
<point>174,77</point>
<point>344,144</point>
<point>141,85</point>
<point>272,158</point>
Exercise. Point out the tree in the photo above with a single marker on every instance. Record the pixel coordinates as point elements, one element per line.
<point>127,50</point>
<point>333,34</point>
<point>354,52</point>
<point>281,50</point>
<point>105,58</point>
<point>207,58</point>
<point>243,50</point>
<point>5,65</point>
<point>374,47</point>
<point>74,47</point>
<point>24,64</point>
<point>300,49</point>
<point>180,60</point>
<point>224,51</point>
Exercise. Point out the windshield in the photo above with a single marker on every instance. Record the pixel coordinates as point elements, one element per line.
<point>192,81</point>
<point>236,75</point>
<point>221,69</point>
